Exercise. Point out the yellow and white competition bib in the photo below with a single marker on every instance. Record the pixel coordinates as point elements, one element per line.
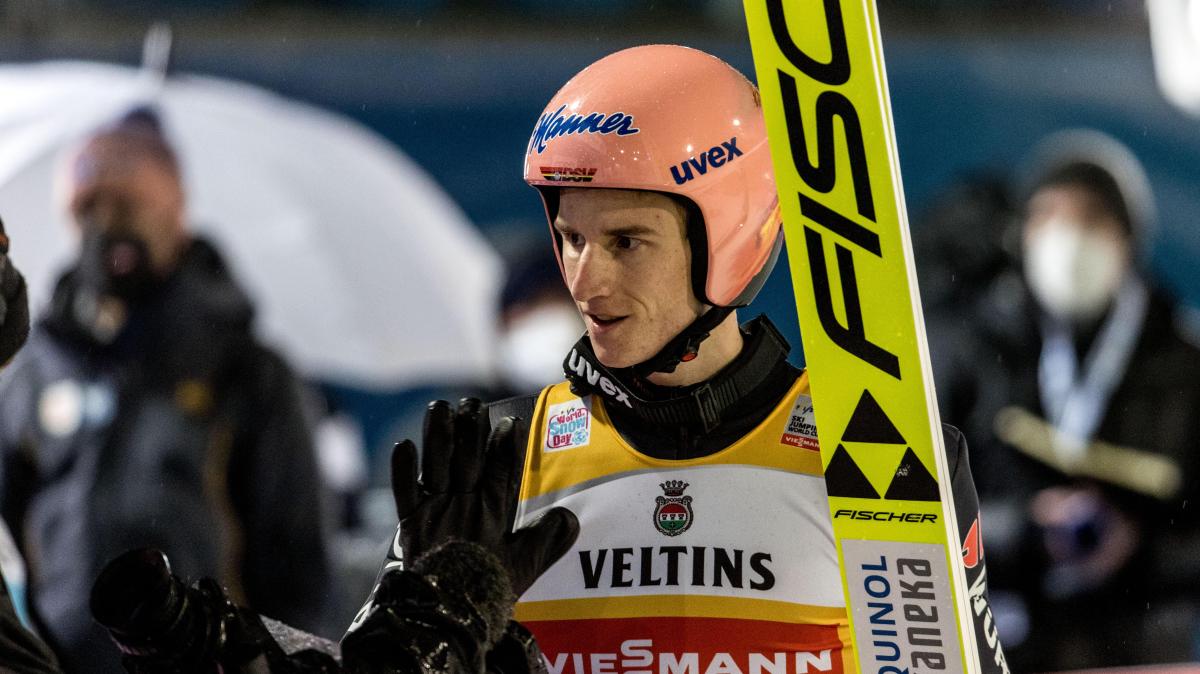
<point>721,564</point>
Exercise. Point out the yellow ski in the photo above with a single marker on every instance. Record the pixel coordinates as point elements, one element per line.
<point>821,73</point>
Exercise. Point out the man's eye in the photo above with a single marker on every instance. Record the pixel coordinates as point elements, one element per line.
<point>627,242</point>
<point>573,239</point>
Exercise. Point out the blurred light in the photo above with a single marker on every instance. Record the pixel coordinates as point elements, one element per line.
<point>1175,39</point>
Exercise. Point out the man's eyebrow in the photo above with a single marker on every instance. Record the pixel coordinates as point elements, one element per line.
<point>625,230</point>
<point>632,230</point>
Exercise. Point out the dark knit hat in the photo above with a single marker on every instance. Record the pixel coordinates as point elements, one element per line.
<point>1102,165</point>
<point>138,134</point>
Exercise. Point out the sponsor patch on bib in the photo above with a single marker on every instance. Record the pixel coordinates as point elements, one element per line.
<point>568,425</point>
<point>801,430</point>
<point>673,511</point>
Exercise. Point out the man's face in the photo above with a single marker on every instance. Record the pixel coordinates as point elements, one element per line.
<point>628,268</point>
<point>1076,250</point>
<point>119,191</point>
<point>1074,206</point>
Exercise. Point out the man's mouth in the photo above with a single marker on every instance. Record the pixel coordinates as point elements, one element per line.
<point>602,322</point>
<point>123,258</point>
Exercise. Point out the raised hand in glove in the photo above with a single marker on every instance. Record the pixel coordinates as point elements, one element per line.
<point>14,304</point>
<point>465,488</point>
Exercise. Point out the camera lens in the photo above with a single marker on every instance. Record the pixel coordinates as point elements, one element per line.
<point>142,604</point>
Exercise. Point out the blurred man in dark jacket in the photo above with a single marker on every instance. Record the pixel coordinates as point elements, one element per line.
<point>1088,464</point>
<point>143,412</point>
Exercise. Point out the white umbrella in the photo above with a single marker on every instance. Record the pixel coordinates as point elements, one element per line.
<point>363,270</point>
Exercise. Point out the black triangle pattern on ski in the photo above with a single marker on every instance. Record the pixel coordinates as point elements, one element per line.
<point>843,477</point>
<point>912,481</point>
<point>869,423</point>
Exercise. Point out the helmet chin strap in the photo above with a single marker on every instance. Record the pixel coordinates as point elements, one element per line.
<point>684,347</point>
<point>703,404</point>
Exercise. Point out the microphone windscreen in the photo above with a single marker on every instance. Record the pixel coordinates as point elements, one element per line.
<point>469,573</point>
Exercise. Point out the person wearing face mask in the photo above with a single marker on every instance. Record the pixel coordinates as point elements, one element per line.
<point>143,412</point>
<point>1088,474</point>
<point>538,323</point>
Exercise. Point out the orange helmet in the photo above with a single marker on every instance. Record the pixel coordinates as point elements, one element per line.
<point>682,122</point>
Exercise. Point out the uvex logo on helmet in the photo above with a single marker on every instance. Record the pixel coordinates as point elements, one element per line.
<point>551,125</point>
<point>714,157</point>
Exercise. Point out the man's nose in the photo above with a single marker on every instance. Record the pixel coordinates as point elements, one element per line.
<point>591,274</point>
<point>101,210</point>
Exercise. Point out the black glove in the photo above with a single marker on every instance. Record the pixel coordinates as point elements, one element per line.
<point>442,616</point>
<point>14,304</point>
<point>466,490</point>
<point>450,613</point>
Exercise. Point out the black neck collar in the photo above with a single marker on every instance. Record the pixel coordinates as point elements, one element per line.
<point>703,404</point>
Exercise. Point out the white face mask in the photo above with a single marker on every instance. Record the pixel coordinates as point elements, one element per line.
<point>1073,274</point>
<point>534,346</point>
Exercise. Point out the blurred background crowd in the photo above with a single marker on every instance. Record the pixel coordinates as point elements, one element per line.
<point>259,240</point>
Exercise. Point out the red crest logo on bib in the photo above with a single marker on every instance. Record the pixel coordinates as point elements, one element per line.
<point>673,511</point>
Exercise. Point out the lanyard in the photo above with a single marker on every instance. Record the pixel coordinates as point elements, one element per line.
<point>1075,398</point>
